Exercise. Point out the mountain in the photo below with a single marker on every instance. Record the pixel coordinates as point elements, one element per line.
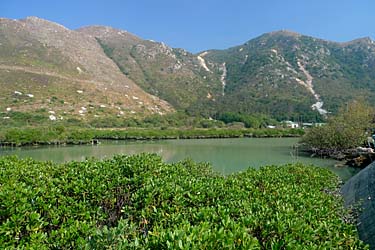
<point>287,74</point>
<point>58,73</point>
<point>99,72</point>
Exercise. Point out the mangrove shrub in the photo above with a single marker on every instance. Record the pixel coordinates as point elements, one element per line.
<point>140,202</point>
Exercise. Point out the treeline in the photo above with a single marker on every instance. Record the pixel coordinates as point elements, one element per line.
<point>62,135</point>
<point>140,202</point>
<point>249,121</point>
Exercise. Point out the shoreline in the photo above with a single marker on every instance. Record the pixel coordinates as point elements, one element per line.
<point>357,157</point>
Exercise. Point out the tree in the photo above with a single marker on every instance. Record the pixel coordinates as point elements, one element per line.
<point>348,129</point>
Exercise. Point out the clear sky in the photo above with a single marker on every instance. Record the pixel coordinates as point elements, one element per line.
<point>197,25</point>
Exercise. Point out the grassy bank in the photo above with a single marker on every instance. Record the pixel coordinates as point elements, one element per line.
<point>139,202</point>
<point>62,135</point>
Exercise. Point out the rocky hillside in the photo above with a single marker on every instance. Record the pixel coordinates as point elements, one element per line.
<point>98,72</point>
<point>181,78</point>
<point>286,74</point>
<point>59,73</point>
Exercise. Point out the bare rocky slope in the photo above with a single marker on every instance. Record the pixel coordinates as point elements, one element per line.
<point>49,69</point>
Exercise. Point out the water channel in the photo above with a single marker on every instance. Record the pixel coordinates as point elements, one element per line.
<point>225,155</point>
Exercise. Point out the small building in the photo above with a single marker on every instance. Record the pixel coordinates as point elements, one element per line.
<point>290,124</point>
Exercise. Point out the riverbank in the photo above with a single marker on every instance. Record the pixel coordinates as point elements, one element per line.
<point>141,202</point>
<point>359,157</point>
<point>60,135</point>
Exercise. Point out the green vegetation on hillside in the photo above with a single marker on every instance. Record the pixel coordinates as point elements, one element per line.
<point>262,73</point>
<point>139,202</point>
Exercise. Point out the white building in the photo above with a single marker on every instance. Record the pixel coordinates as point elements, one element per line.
<point>290,124</point>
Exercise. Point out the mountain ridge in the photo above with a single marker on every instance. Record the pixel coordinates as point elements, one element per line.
<point>280,31</point>
<point>283,74</point>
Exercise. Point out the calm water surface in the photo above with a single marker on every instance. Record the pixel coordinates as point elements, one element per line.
<point>226,155</point>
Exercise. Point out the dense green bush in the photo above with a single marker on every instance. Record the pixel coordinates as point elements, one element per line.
<point>344,131</point>
<point>57,134</point>
<point>250,121</point>
<point>139,202</point>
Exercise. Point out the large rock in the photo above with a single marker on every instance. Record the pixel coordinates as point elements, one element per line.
<point>360,191</point>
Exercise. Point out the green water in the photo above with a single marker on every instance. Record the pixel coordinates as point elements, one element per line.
<point>226,155</point>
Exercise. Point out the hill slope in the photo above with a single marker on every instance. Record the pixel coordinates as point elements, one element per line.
<point>181,78</point>
<point>60,73</point>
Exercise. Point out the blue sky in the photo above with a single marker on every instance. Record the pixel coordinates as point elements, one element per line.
<point>198,25</point>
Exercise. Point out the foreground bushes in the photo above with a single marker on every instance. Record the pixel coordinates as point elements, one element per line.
<point>139,202</point>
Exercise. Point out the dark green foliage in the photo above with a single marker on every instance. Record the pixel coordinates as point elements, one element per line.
<point>250,121</point>
<point>139,202</point>
<point>179,120</point>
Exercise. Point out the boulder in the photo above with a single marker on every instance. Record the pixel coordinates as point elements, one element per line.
<point>359,193</point>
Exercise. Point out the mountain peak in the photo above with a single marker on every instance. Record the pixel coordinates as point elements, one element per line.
<point>34,18</point>
<point>37,21</point>
<point>35,24</point>
<point>101,28</point>
<point>102,32</point>
<point>363,40</point>
<point>285,33</point>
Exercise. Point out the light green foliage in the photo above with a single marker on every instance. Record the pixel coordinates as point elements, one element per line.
<point>343,131</point>
<point>139,202</point>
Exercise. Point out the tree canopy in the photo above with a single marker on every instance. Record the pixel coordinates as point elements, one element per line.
<point>348,129</point>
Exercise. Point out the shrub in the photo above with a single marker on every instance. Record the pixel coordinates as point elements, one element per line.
<point>344,131</point>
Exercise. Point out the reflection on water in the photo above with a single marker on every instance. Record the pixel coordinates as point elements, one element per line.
<point>226,155</point>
